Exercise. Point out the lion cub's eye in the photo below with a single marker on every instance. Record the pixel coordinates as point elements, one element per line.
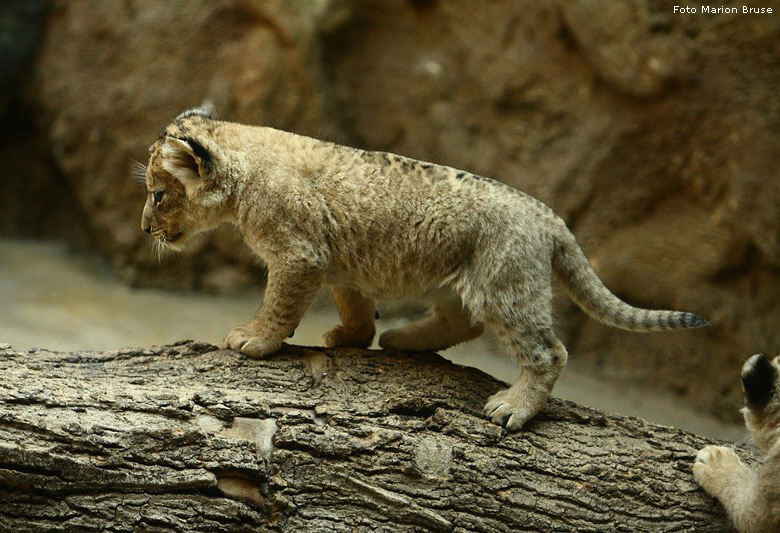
<point>158,197</point>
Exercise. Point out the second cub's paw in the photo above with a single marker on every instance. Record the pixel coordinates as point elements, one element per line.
<point>716,467</point>
<point>243,340</point>
<point>341,337</point>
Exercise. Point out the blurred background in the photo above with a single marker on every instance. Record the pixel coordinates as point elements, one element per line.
<point>655,135</point>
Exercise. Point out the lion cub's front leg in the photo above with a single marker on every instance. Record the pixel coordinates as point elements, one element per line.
<point>357,319</point>
<point>289,292</point>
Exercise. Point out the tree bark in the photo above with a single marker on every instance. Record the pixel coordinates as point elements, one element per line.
<point>190,437</point>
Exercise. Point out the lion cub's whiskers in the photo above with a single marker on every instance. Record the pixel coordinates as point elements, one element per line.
<point>138,172</point>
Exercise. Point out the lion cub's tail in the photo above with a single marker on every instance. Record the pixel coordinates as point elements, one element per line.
<point>588,291</point>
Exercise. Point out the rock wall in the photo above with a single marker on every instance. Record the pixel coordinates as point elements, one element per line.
<point>654,135</point>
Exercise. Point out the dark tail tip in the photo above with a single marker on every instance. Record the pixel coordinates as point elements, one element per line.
<point>692,320</point>
<point>759,378</point>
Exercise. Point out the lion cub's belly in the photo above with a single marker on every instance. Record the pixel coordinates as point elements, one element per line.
<point>391,283</point>
<point>399,261</point>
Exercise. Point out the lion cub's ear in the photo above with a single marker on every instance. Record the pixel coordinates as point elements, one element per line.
<point>759,380</point>
<point>189,162</point>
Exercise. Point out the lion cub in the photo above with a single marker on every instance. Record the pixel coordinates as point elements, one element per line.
<point>378,225</point>
<point>751,497</point>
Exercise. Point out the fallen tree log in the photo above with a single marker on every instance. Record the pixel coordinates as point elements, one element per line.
<point>190,437</point>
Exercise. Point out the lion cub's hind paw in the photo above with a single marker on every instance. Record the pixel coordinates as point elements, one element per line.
<point>397,339</point>
<point>505,410</point>
<point>343,337</point>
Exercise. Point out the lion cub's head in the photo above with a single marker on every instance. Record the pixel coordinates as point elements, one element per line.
<point>762,399</point>
<point>184,192</point>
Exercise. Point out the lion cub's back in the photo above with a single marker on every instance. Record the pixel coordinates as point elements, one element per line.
<point>412,225</point>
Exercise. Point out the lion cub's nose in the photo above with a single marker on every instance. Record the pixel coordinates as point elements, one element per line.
<point>148,228</point>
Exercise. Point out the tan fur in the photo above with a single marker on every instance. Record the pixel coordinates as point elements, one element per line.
<point>751,497</point>
<point>357,319</point>
<point>378,225</point>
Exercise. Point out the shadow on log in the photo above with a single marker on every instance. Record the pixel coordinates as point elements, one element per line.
<point>190,437</point>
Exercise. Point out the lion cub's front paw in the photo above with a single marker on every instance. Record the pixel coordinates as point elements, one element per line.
<point>342,337</point>
<point>716,467</point>
<point>244,340</point>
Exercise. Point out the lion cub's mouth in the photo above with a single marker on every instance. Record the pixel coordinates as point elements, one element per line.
<point>176,237</point>
<point>165,238</point>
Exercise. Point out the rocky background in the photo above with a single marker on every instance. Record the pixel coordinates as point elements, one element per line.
<point>655,135</point>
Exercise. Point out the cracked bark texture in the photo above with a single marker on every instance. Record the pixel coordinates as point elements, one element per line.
<point>190,437</point>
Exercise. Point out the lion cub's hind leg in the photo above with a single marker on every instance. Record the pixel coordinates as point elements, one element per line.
<point>542,358</point>
<point>357,319</point>
<point>522,320</point>
<point>448,325</point>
